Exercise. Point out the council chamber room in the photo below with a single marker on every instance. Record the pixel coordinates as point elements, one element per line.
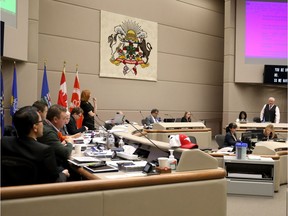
<point>154,108</point>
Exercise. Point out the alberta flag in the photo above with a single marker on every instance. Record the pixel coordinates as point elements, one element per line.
<point>45,95</point>
<point>1,103</point>
<point>62,95</point>
<point>14,96</point>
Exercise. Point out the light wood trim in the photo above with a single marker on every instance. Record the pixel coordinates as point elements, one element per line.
<point>280,153</point>
<point>177,130</point>
<point>274,157</point>
<point>248,129</point>
<point>15,192</point>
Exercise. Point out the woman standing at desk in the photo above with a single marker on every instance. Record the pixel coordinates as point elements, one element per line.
<point>89,111</point>
<point>230,137</point>
<point>269,133</point>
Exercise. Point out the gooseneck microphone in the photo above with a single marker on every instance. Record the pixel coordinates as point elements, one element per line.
<point>141,114</point>
<point>99,123</point>
<point>99,118</point>
<point>128,122</point>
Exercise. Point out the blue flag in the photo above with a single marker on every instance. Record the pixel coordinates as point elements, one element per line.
<point>1,103</point>
<point>45,95</point>
<point>14,96</point>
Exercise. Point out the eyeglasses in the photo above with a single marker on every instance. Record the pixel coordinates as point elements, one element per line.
<point>39,122</point>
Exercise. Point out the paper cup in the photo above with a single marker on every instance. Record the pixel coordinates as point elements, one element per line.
<point>77,148</point>
<point>163,162</point>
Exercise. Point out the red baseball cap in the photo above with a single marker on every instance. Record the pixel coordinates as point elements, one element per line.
<point>186,143</point>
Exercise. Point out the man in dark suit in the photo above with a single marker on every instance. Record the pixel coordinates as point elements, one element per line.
<point>72,129</point>
<point>55,120</point>
<point>29,126</point>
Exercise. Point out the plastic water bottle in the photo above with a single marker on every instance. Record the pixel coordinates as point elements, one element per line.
<point>121,143</point>
<point>110,141</point>
<point>172,162</point>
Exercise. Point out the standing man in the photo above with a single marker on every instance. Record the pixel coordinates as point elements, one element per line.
<point>153,118</point>
<point>29,126</point>
<point>270,112</point>
<point>55,120</point>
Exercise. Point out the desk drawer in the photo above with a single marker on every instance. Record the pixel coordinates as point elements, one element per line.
<point>264,188</point>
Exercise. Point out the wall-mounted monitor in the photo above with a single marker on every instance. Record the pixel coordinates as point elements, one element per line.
<point>8,11</point>
<point>14,13</point>
<point>261,37</point>
<point>275,74</point>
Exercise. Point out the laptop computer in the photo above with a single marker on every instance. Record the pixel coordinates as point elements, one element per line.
<point>118,119</point>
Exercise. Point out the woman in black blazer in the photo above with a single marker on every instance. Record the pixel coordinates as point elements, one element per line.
<point>230,137</point>
<point>72,129</point>
<point>186,117</point>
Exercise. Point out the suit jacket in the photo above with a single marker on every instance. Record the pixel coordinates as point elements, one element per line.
<point>50,137</point>
<point>38,153</point>
<point>183,119</point>
<point>72,127</point>
<point>149,120</point>
<point>229,140</point>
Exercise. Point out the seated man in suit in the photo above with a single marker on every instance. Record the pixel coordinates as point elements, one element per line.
<point>72,129</point>
<point>41,107</point>
<point>55,120</point>
<point>29,126</point>
<point>153,118</point>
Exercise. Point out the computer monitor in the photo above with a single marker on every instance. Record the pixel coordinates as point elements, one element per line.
<point>246,138</point>
<point>256,135</point>
<point>169,119</point>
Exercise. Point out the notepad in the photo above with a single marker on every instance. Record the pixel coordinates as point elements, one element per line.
<point>85,159</point>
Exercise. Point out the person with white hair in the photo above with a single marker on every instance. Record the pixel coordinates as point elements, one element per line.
<point>270,112</point>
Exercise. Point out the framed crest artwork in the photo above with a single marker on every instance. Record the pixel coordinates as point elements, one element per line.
<point>128,47</point>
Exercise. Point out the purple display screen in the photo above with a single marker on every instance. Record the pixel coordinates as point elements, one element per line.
<point>266,29</point>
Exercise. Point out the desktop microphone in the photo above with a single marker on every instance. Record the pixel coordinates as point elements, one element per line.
<point>99,123</point>
<point>128,122</point>
<point>99,118</point>
<point>141,114</point>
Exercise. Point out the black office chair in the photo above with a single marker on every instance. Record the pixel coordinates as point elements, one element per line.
<point>257,119</point>
<point>17,171</point>
<point>178,119</point>
<point>143,122</point>
<point>193,139</point>
<point>220,138</point>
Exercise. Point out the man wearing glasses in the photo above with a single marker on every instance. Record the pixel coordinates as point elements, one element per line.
<point>29,127</point>
<point>153,118</point>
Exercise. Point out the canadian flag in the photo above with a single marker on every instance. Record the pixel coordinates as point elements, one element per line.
<point>75,99</point>
<point>62,95</point>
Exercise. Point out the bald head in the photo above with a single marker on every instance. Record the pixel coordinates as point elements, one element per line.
<point>271,100</point>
